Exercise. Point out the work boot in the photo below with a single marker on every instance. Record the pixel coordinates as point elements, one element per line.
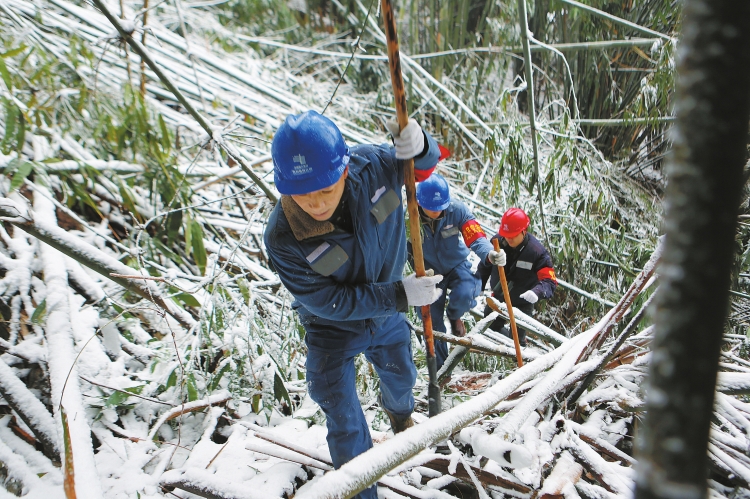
<point>398,423</point>
<point>458,328</point>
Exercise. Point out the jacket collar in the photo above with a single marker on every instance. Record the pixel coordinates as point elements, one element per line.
<point>303,225</point>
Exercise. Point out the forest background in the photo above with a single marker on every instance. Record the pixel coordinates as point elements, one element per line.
<point>100,147</point>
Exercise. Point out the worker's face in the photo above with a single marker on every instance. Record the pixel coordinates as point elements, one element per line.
<point>321,204</point>
<point>432,214</point>
<point>516,240</point>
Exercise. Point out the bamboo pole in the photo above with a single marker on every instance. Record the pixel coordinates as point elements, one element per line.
<point>524,24</point>
<point>616,19</point>
<point>394,62</point>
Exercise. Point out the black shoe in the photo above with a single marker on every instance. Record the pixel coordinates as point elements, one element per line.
<point>458,328</point>
<point>521,335</point>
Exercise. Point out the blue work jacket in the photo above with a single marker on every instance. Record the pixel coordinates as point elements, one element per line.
<point>345,282</point>
<point>447,239</point>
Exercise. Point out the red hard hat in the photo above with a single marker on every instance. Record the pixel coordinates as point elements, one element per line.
<point>514,221</point>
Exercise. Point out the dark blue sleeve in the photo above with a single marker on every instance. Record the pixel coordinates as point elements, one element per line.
<point>546,275</point>
<point>324,296</point>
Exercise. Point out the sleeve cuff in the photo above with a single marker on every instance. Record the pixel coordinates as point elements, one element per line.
<point>402,304</point>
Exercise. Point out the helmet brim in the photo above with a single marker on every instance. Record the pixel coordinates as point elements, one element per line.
<point>435,208</point>
<point>307,185</point>
<point>509,234</point>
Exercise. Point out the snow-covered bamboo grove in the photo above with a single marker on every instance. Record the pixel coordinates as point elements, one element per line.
<point>147,349</point>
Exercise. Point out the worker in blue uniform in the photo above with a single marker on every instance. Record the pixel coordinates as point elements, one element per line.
<point>528,269</point>
<point>337,240</point>
<point>449,229</point>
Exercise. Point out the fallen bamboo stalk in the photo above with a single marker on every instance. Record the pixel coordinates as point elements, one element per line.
<point>89,256</point>
<point>31,410</point>
<point>443,465</point>
<point>77,451</point>
<point>213,134</point>
<point>282,452</point>
<point>197,405</point>
<point>365,469</point>
<point>528,323</point>
<point>565,472</point>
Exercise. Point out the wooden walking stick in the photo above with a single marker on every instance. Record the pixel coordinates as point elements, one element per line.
<point>506,295</point>
<point>394,62</point>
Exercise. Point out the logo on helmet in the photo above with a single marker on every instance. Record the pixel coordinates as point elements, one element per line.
<point>302,168</point>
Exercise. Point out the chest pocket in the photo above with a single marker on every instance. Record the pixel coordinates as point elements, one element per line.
<point>327,259</point>
<point>385,204</point>
<point>449,232</point>
<point>386,201</point>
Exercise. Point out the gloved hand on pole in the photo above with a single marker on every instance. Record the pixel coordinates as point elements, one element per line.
<point>408,142</point>
<point>497,258</point>
<point>421,291</point>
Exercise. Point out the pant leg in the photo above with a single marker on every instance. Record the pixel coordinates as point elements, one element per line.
<point>465,287</point>
<point>391,355</point>
<point>497,324</point>
<point>437,309</point>
<point>331,382</point>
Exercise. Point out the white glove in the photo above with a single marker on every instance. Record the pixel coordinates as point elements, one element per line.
<point>410,141</point>
<point>497,258</point>
<point>530,296</point>
<point>421,291</point>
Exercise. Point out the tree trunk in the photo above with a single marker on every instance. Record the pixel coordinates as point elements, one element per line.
<point>705,178</point>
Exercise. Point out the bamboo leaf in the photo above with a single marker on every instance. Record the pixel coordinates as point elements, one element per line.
<point>23,171</point>
<point>13,52</point>
<point>192,388</point>
<point>188,300</point>
<point>11,116</point>
<point>69,484</point>
<point>5,74</point>
<point>279,390</point>
<point>199,251</point>
<point>39,312</point>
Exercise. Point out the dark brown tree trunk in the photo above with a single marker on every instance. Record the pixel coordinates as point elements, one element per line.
<point>703,193</point>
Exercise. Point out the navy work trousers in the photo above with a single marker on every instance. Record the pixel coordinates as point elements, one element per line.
<point>331,382</point>
<point>464,287</point>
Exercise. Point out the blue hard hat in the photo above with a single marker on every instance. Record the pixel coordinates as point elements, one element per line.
<point>433,194</point>
<point>308,153</point>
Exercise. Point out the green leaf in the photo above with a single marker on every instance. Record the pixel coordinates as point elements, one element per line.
<point>192,388</point>
<point>135,389</point>
<point>116,399</point>
<point>244,289</point>
<point>215,381</point>
<point>40,310</point>
<point>188,300</point>
<point>23,171</point>
<point>13,52</point>
<point>11,117</point>
<point>279,390</point>
<point>199,251</point>
<point>172,379</point>
<point>165,140</point>
<point>5,74</point>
